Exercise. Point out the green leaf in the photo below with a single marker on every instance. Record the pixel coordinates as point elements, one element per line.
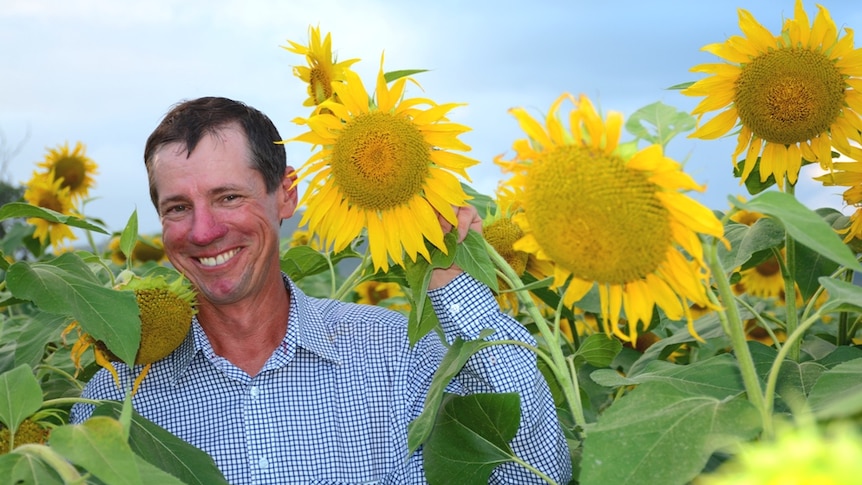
<point>301,261</point>
<point>20,396</point>
<point>22,209</point>
<point>393,75</point>
<point>484,204</point>
<point>25,336</point>
<point>458,354</point>
<point>843,296</point>
<point>717,377</point>
<point>472,256</point>
<point>666,122</point>
<point>804,225</point>
<point>129,236</point>
<point>838,392</point>
<point>166,451</point>
<point>763,235</point>
<point>753,183</point>
<point>810,266</point>
<point>97,445</point>
<point>25,469</point>
<point>471,438</point>
<point>418,275</point>
<point>599,350</point>
<point>662,432</point>
<point>106,314</point>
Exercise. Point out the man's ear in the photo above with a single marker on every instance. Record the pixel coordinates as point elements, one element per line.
<point>288,192</point>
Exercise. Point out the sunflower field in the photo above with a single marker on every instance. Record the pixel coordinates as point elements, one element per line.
<point>682,344</point>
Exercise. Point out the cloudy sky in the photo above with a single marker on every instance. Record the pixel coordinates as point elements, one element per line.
<point>104,72</point>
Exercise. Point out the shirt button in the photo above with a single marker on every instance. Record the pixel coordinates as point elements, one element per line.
<point>454,308</point>
<point>255,392</point>
<point>263,463</point>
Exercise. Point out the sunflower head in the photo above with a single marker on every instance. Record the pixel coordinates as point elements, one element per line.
<point>386,293</point>
<point>43,190</point>
<point>322,69</point>
<point>147,248</point>
<point>792,93</point>
<point>383,166</point>
<point>166,314</point>
<point>72,168</point>
<point>623,225</point>
<point>28,432</point>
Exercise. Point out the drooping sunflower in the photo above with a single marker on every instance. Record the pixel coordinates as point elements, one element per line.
<point>73,168</point>
<point>623,225</point>
<point>385,166</point>
<point>147,248</point>
<point>795,94</point>
<point>44,190</point>
<point>322,69</point>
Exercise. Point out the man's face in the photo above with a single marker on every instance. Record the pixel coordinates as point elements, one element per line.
<point>220,227</point>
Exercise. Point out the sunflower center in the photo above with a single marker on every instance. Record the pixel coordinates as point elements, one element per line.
<point>72,170</point>
<point>769,267</point>
<point>49,200</point>
<point>380,161</point>
<point>789,96</point>
<point>596,217</point>
<point>501,235</point>
<point>319,85</point>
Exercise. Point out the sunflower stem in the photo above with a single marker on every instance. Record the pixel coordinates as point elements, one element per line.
<point>351,279</point>
<point>736,330</point>
<point>789,274</point>
<point>566,376</point>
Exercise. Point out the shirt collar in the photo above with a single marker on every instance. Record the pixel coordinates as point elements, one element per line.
<point>306,327</point>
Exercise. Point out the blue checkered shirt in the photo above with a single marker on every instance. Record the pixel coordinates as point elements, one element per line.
<point>332,403</point>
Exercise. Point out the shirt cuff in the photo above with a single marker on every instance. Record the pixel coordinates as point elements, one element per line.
<point>464,307</point>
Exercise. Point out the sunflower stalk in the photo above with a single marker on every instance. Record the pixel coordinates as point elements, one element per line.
<point>566,376</point>
<point>793,338</point>
<point>788,271</point>
<point>735,328</point>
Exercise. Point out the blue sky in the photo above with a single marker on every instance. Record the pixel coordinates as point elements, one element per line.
<point>104,72</point>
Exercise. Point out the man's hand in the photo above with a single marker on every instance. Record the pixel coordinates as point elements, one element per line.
<point>468,218</point>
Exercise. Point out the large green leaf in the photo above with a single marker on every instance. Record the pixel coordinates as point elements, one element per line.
<point>98,445</point>
<point>21,209</point>
<point>20,396</point>
<point>24,337</point>
<point>418,275</point>
<point>471,438</point>
<point>804,225</point>
<point>810,266</point>
<point>662,433</point>
<point>659,123</point>
<point>717,377</point>
<point>166,451</point>
<point>838,392</point>
<point>108,315</point>
<point>598,350</point>
<point>458,354</point>
<point>762,235</point>
<point>26,469</point>
<point>301,261</point>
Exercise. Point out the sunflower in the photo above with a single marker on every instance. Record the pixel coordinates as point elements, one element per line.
<point>44,190</point>
<point>385,168</point>
<point>147,248</point>
<point>322,70</point>
<point>623,225</point>
<point>72,167</point>
<point>795,94</point>
<point>384,293</point>
<point>502,232</point>
<point>848,174</point>
<point>763,280</point>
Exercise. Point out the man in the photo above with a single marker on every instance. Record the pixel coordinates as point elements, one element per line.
<point>279,387</point>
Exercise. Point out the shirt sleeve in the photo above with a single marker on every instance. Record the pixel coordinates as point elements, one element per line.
<point>465,308</point>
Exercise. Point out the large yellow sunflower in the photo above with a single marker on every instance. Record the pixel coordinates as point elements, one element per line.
<point>848,174</point>
<point>73,167</point>
<point>386,168</point>
<point>45,191</point>
<point>795,94</point>
<point>623,225</point>
<point>322,69</point>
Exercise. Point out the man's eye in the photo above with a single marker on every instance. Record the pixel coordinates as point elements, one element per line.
<point>175,209</point>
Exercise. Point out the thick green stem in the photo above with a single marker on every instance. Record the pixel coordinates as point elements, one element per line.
<point>351,280</point>
<point>737,337</point>
<point>795,337</point>
<point>558,365</point>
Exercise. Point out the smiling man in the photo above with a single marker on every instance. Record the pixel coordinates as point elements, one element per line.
<point>280,387</point>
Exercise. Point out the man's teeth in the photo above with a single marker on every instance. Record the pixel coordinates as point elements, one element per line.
<point>220,259</point>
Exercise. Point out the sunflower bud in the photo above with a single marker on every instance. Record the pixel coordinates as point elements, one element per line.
<point>28,432</point>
